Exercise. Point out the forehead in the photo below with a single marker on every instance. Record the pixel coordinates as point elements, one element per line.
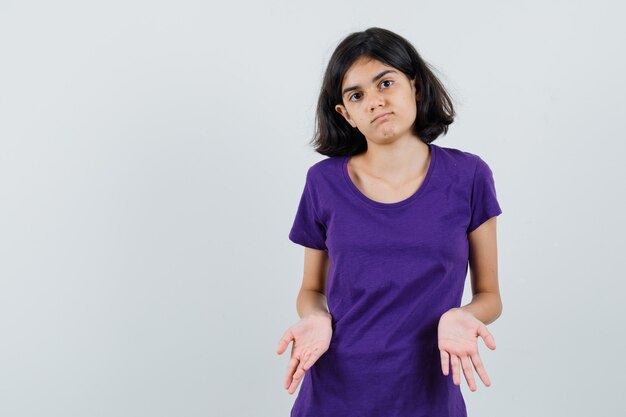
<point>363,69</point>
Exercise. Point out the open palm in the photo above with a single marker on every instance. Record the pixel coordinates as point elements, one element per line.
<point>311,338</point>
<point>458,334</point>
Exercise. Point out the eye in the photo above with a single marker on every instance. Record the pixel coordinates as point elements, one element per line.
<point>352,96</point>
<point>385,84</point>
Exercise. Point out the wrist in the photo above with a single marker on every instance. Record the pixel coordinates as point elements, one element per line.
<point>319,313</point>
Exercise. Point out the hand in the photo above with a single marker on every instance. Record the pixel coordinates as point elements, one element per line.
<point>311,338</point>
<point>458,333</point>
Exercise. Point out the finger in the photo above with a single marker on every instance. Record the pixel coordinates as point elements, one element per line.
<point>456,378</point>
<point>291,367</point>
<point>480,369</point>
<point>284,341</point>
<point>487,337</point>
<point>296,367</point>
<point>306,364</point>
<point>295,382</point>
<point>467,371</point>
<point>445,362</point>
<point>301,369</point>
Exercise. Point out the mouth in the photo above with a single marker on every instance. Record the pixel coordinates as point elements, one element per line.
<point>381,116</point>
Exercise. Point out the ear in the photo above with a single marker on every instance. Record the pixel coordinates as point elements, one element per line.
<point>342,111</point>
<point>414,88</point>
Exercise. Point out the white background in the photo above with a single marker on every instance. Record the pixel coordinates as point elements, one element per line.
<point>152,155</point>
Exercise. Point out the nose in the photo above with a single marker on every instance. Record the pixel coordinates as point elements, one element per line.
<point>376,100</point>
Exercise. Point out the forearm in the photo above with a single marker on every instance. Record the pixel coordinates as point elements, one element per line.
<point>485,306</point>
<point>311,302</point>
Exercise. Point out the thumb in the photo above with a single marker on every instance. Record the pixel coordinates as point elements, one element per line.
<point>487,337</point>
<point>284,341</point>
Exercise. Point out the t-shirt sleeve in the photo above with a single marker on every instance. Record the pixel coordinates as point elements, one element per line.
<point>307,229</point>
<point>484,202</point>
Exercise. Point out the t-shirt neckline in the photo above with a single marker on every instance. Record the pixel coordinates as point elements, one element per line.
<point>357,192</point>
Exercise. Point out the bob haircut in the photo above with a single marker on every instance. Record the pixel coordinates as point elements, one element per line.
<point>334,136</point>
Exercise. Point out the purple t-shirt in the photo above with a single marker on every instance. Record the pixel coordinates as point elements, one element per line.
<point>394,269</point>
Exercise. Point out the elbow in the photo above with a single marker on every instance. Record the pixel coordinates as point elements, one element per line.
<point>499,310</point>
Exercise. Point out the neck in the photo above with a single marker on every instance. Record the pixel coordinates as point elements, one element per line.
<point>396,158</point>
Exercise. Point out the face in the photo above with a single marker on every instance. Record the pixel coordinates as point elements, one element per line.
<point>379,100</point>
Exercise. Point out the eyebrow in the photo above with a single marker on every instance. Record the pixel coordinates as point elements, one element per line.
<point>376,78</point>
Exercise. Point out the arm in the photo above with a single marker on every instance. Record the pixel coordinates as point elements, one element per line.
<point>312,334</point>
<point>486,304</point>
<point>460,327</point>
<point>312,296</point>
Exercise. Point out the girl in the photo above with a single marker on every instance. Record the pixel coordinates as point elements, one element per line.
<point>389,222</point>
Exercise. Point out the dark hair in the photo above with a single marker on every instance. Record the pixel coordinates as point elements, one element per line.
<point>334,136</point>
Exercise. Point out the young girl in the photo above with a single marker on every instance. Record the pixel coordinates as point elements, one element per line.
<point>389,222</point>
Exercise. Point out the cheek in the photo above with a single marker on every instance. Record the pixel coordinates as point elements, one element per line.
<point>411,106</point>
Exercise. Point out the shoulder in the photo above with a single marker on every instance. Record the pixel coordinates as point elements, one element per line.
<point>461,161</point>
<point>324,169</point>
<point>457,156</point>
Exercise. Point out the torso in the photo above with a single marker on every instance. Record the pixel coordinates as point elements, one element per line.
<point>393,270</point>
